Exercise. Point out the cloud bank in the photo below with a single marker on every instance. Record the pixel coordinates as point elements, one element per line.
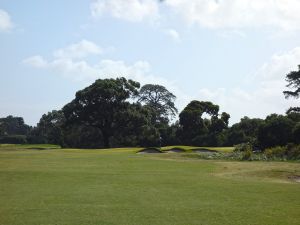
<point>212,14</point>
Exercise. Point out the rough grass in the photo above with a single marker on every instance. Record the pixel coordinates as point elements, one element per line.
<point>117,186</point>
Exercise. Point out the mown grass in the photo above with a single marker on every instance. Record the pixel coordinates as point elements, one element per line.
<point>117,186</point>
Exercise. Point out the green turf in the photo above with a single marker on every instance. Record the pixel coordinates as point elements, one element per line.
<point>119,187</point>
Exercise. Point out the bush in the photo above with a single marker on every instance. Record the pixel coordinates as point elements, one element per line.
<point>247,154</point>
<point>243,147</point>
<point>275,152</point>
<point>293,151</point>
<point>13,139</point>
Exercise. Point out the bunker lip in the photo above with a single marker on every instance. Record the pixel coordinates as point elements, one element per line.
<point>175,150</point>
<point>150,150</point>
<point>203,150</point>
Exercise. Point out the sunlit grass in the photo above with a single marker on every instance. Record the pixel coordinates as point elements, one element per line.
<point>118,186</point>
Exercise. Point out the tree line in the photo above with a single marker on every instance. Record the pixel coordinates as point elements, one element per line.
<point>118,113</point>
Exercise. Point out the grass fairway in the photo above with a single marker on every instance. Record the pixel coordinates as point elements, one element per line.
<point>119,187</point>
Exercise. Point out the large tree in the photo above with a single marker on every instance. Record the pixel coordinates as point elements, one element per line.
<point>293,79</point>
<point>101,105</point>
<point>196,129</point>
<point>160,101</point>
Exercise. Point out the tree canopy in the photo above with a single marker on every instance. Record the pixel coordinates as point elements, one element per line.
<point>101,105</point>
<point>293,79</point>
<point>159,100</point>
<point>116,113</point>
<point>196,129</point>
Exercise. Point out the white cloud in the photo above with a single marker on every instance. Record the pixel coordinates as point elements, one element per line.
<point>235,14</point>
<point>5,21</point>
<point>173,34</point>
<point>78,50</point>
<point>279,65</point>
<point>223,15</point>
<point>130,10</point>
<point>265,93</point>
<point>36,61</point>
<point>72,62</point>
<point>82,70</point>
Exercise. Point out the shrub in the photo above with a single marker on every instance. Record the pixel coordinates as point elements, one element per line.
<point>293,151</point>
<point>243,147</point>
<point>247,154</point>
<point>275,152</point>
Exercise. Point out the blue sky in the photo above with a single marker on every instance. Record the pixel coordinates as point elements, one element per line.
<point>235,53</point>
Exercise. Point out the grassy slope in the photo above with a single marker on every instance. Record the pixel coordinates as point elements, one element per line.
<point>70,187</point>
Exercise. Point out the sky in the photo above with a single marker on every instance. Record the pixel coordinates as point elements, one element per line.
<point>235,53</point>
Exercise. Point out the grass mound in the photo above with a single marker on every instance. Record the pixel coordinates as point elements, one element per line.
<point>150,150</point>
<point>203,150</point>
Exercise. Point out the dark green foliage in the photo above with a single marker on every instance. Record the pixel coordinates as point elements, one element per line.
<point>160,102</point>
<point>296,134</point>
<point>13,139</point>
<point>11,125</point>
<point>168,134</point>
<point>13,130</point>
<point>101,105</point>
<point>245,131</point>
<point>49,130</point>
<point>277,130</point>
<point>196,130</point>
<point>135,128</point>
<point>293,79</point>
<point>150,137</point>
<point>82,136</point>
<point>114,113</point>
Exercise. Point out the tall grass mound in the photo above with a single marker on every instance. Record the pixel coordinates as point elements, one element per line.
<point>151,150</point>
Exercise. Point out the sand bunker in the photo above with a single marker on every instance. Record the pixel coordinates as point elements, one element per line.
<point>295,178</point>
<point>149,150</point>
<point>175,150</point>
